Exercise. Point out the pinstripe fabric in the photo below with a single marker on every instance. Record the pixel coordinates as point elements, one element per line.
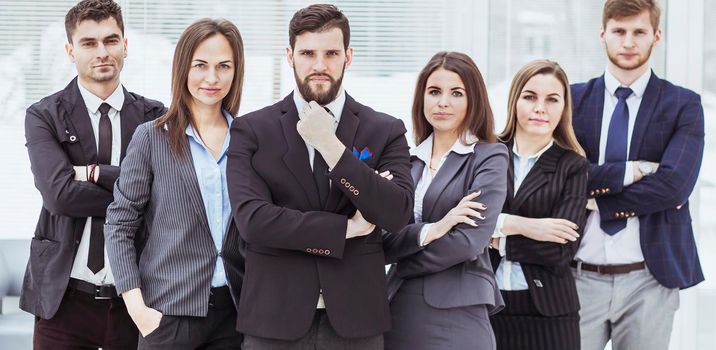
<point>520,326</point>
<point>669,130</point>
<point>160,191</point>
<point>554,188</point>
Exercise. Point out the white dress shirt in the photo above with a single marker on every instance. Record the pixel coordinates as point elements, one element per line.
<point>597,247</point>
<point>92,102</point>
<point>336,108</point>
<point>424,152</point>
<point>509,275</point>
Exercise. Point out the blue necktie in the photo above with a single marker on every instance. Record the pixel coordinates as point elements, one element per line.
<point>617,147</point>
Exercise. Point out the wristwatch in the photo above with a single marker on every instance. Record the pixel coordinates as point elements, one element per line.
<point>645,168</point>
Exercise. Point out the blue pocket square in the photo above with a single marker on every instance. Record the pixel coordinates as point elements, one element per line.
<point>365,154</point>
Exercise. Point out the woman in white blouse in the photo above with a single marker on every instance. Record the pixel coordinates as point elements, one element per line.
<point>538,231</point>
<point>441,284</point>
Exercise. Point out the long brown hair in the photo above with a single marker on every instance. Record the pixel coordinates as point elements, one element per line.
<point>478,118</point>
<point>564,134</point>
<point>179,115</point>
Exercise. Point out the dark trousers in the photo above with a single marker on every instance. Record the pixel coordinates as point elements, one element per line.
<point>320,336</point>
<point>83,322</point>
<point>520,326</point>
<point>215,331</point>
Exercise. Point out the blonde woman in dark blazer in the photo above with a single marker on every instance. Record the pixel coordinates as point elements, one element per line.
<point>538,231</point>
<point>182,289</point>
<point>441,286</point>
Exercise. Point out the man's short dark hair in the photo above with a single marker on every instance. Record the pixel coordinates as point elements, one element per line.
<point>618,9</point>
<point>318,18</point>
<point>95,10</point>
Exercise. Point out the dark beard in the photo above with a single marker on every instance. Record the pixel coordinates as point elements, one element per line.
<point>321,98</point>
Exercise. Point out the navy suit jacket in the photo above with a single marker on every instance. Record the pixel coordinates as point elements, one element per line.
<point>669,130</point>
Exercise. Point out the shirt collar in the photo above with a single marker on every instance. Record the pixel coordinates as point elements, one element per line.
<point>536,155</point>
<point>92,102</point>
<point>190,129</point>
<point>425,149</point>
<point>638,86</point>
<point>335,106</point>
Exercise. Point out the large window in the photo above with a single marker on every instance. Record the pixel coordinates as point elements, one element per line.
<point>392,41</point>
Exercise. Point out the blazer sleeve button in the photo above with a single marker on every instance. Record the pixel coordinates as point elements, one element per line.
<point>356,192</point>
<point>308,250</point>
<point>328,252</point>
<point>343,181</point>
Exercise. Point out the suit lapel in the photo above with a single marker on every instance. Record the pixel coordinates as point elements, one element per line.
<point>346,132</point>
<point>510,173</point>
<point>596,113</point>
<point>80,119</point>
<point>416,170</point>
<point>131,116</point>
<point>296,157</point>
<point>191,184</point>
<point>646,110</point>
<point>453,163</point>
<point>537,176</point>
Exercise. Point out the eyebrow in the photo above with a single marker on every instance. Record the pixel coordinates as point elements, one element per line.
<point>112,36</point>
<point>202,61</point>
<point>534,93</point>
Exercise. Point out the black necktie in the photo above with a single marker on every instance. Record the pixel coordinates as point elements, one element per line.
<point>617,147</point>
<point>95,260</point>
<point>320,174</point>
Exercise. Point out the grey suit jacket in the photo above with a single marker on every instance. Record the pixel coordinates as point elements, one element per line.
<point>162,192</point>
<point>456,268</point>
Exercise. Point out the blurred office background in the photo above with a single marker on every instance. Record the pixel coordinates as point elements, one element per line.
<point>392,41</point>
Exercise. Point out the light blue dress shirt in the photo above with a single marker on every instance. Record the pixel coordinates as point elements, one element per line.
<point>211,174</point>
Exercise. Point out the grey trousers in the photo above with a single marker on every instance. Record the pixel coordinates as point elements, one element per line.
<point>632,309</point>
<point>320,336</point>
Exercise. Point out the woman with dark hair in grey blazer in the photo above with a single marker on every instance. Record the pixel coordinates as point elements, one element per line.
<point>441,284</point>
<point>537,233</point>
<point>172,198</point>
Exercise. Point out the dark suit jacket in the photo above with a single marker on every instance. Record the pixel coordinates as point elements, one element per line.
<point>161,192</point>
<point>59,136</point>
<point>669,130</point>
<point>556,187</point>
<point>455,268</point>
<point>296,247</point>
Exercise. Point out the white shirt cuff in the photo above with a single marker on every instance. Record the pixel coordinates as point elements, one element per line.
<point>629,174</point>
<point>423,234</point>
<point>498,228</point>
<point>503,246</point>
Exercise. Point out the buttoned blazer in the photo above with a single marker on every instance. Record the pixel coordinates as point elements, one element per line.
<point>555,187</point>
<point>161,191</point>
<point>59,136</point>
<point>669,130</point>
<point>455,268</point>
<point>296,247</point>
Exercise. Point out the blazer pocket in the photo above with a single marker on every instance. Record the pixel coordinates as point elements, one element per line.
<point>478,270</point>
<point>678,216</point>
<point>261,250</point>
<point>371,248</point>
<point>40,246</point>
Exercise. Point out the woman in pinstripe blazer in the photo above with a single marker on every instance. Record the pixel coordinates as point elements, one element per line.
<point>537,233</point>
<point>181,289</point>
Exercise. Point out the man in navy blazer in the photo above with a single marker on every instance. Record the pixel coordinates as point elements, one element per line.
<point>644,138</point>
<point>298,171</point>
